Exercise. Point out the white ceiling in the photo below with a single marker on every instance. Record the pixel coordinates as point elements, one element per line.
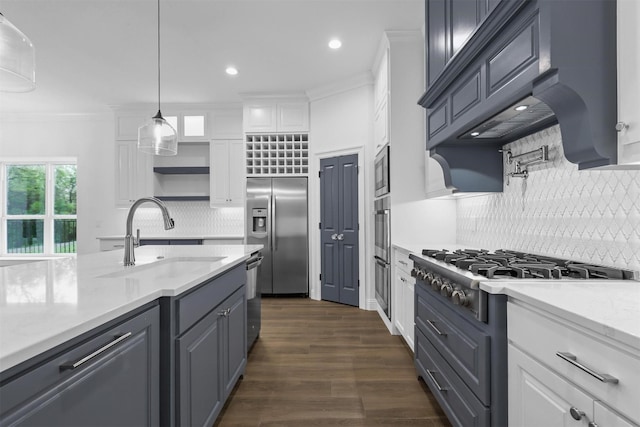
<point>91,54</point>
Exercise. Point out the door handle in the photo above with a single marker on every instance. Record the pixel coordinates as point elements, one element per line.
<point>334,236</point>
<point>340,236</point>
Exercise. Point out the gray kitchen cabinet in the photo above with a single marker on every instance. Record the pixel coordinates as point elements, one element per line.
<point>210,341</point>
<point>108,377</point>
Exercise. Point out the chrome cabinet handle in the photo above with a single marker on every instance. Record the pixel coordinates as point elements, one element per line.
<point>334,236</point>
<point>576,413</point>
<point>438,386</point>
<point>403,279</point>
<point>402,262</point>
<point>74,365</point>
<point>605,378</point>
<point>620,126</point>
<point>435,328</point>
<point>224,313</point>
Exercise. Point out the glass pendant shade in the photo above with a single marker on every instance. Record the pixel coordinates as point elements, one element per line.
<point>158,137</point>
<point>17,59</point>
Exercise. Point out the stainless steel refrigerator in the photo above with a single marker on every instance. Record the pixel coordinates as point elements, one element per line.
<point>277,218</point>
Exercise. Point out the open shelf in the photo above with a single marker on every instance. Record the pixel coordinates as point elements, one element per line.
<point>277,154</point>
<point>182,170</point>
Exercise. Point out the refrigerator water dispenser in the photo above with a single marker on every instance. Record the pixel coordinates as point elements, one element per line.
<point>259,221</point>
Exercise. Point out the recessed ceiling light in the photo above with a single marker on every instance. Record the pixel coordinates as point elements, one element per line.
<point>335,44</point>
<point>475,133</point>
<point>232,71</point>
<point>521,107</point>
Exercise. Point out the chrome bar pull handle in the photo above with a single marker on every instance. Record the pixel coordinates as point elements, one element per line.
<point>438,386</point>
<point>74,365</point>
<point>605,378</point>
<point>435,328</point>
<point>274,236</point>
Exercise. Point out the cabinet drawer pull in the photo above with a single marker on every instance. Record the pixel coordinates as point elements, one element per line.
<point>605,378</point>
<point>402,262</point>
<point>440,388</point>
<point>102,349</point>
<point>225,312</point>
<point>435,328</point>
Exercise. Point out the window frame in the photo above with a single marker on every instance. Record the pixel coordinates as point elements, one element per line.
<point>49,216</point>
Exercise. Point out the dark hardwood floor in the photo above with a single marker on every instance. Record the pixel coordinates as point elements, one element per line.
<point>323,364</point>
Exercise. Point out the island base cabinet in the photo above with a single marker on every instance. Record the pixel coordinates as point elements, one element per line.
<point>211,357</point>
<point>118,386</point>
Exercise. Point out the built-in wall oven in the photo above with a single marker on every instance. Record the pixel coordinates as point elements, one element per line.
<point>381,172</point>
<point>382,254</point>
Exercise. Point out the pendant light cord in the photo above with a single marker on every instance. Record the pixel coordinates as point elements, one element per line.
<point>158,56</point>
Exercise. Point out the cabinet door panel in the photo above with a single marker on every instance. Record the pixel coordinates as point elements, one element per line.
<point>236,348</point>
<point>236,173</point>
<point>604,416</point>
<point>117,387</point>
<point>437,39</point>
<point>465,15</point>
<point>538,397</point>
<point>198,362</point>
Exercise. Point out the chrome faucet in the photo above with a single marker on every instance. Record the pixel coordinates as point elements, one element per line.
<point>129,241</point>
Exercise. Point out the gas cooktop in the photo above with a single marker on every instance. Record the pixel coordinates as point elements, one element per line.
<point>505,263</point>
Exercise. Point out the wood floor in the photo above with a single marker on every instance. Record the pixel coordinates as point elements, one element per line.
<point>323,364</point>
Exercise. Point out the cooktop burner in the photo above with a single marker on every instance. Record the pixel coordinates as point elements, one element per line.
<point>505,263</point>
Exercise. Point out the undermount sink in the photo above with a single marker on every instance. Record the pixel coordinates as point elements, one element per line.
<point>166,267</point>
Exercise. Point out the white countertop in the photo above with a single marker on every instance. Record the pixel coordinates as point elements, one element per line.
<point>607,307</point>
<point>46,303</point>
<point>176,237</point>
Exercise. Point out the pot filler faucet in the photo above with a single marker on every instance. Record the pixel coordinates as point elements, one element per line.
<point>129,241</point>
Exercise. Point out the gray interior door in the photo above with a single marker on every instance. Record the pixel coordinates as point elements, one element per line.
<point>339,229</point>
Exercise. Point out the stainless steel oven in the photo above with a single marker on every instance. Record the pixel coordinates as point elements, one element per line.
<point>381,172</point>
<point>382,254</point>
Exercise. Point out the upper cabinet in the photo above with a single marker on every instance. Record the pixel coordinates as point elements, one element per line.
<point>133,173</point>
<point>227,174</point>
<point>189,125</point>
<point>381,97</point>
<point>264,116</point>
<point>628,82</point>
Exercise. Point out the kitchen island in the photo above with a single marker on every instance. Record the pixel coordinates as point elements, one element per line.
<point>146,321</point>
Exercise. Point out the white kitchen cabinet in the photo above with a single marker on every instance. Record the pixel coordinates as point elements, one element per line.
<point>549,362</point>
<point>271,116</point>
<point>190,125</point>
<point>127,124</point>
<point>381,97</point>
<point>133,173</point>
<point>227,173</point>
<point>403,296</point>
<point>628,83</point>
<point>226,123</point>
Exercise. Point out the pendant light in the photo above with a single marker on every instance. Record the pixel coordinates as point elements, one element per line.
<point>157,136</point>
<point>17,59</point>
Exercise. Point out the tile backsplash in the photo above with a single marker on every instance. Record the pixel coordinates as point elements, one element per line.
<point>191,219</point>
<point>591,215</point>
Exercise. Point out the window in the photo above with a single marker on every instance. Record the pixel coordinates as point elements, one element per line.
<point>39,207</point>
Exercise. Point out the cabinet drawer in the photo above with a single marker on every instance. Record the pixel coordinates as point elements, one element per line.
<point>543,336</point>
<point>461,406</point>
<point>403,262</point>
<point>465,348</point>
<point>196,304</point>
<point>121,359</point>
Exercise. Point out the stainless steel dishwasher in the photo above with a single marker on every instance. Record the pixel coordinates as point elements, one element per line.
<point>253,298</point>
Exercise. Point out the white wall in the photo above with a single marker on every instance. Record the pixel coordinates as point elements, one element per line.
<point>88,138</point>
<point>590,215</point>
<point>341,123</point>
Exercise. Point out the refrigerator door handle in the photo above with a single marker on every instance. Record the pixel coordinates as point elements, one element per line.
<point>274,237</point>
<point>270,222</point>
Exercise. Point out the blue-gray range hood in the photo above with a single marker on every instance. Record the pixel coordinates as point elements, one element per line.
<point>556,57</point>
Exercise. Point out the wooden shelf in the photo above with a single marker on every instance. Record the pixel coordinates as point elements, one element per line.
<point>182,170</point>
<point>182,198</point>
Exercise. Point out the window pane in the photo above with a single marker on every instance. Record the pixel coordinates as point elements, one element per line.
<point>25,236</point>
<point>25,189</point>
<point>65,190</point>
<point>64,231</point>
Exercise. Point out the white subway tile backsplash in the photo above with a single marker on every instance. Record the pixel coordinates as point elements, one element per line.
<point>191,219</point>
<point>591,215</point>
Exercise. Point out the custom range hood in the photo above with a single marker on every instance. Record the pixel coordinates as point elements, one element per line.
<point>529,64</point>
